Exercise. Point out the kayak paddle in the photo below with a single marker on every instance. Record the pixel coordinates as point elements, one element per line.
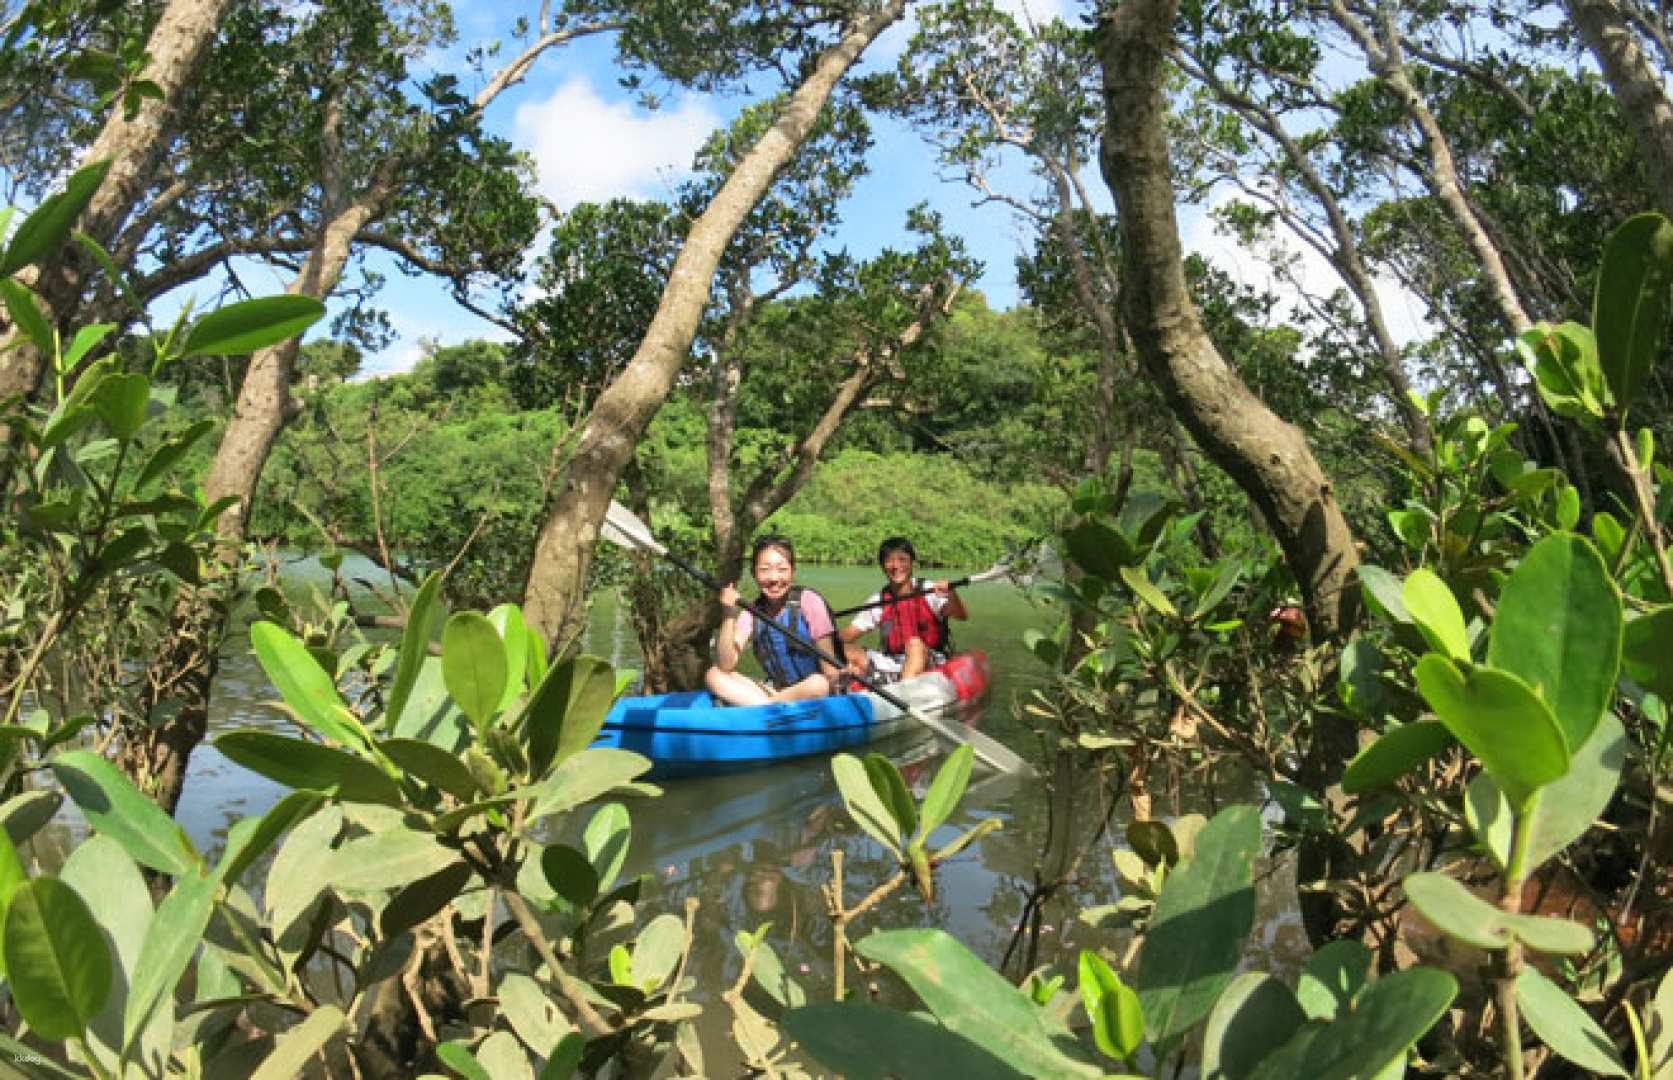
<point>623,527</point>
<point>1022,567</point>
<point>997,571</point>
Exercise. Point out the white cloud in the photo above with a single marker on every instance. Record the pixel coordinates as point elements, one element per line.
<point>1404,311</point>
<point>423,317</point>
<point>1039,12</point>
<point>588,149</point>
<point>398,360</point>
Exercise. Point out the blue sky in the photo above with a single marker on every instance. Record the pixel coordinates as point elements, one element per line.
<point>591,141</point>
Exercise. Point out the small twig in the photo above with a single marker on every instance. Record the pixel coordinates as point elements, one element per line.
<point>1627,458</point>
<point>409,983</point>
<point>588,1016</point>
<point>451,943</point>
<point>481,523</point>
<point>841,916</point>
<point>374,486</point>
<point>481,984</point>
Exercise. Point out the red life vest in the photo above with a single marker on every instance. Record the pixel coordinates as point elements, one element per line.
<point>903,620</point>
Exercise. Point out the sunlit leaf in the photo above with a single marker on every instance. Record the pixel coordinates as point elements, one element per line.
<point>1396,752</point>
<point>1332,978</point>
<point>1389,1016</point>
<point>49,225</point>
<point>1570,806</point>
<point>863,803</point>
<point>57,963</point>
<point>249,325</point>
<point>120,402</point>
<point>297,1046</point>
<point>1117,1017</point>
<point>972,1000</point>
<point>385,860</point>
<point>172,939</point>
<point>309,766</point>
<point>433,765</point>
<point>1647,652</point>
<point>115,808</point>
<point>415,645</point>
<point>514,632</point>
<point>861,1041</point>
<point>473,666</point>
<point>891,789</point>
<point>1436,614</point>
<point>567,711</point>
<point>1564,1026</point>
<point>1459,913</point>
<point>1558,627</point>
<point>1201,923</point>
<point>588,774</point>
<point>605,840</point>
<point>1630,303</point>
<point>305,686</point>
<point>1255,1016</point>
<point>26,315</point>
<point>1501,721</point>
<point>12,875</point>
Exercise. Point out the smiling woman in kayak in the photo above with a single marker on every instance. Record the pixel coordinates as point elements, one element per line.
<point>793,673</point>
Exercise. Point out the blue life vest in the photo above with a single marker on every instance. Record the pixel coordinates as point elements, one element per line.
<point>786,662</point>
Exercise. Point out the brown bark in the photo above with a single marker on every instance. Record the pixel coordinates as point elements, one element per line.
<point>156,755</point>
<point>1382,51</point>
<point>674,649</point>
<point>1267,457</point>
<point>723,423</point>
<point>1635,84</point>
<point>557,574</point>
<point>133,147</point>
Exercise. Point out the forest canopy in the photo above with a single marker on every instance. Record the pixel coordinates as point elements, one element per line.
<point>1406,583</point>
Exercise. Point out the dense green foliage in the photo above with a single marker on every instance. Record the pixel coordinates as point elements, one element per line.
<point>958,519</point>
<point>456,456</point>
<point>439,886</point>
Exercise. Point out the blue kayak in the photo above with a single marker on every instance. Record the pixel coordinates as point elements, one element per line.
<point>689,733</point>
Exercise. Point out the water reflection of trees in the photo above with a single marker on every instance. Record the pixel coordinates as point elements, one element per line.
<point>757,849</point>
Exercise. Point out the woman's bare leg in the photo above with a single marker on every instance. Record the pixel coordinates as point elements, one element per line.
<point>733,688</point>
<point>814,686</point>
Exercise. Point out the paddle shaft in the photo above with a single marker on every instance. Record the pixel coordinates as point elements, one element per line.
<point>890,598</point>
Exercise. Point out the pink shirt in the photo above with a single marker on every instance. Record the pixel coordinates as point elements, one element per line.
<point>815,611</point>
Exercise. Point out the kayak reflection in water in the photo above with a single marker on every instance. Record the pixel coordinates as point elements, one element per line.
<point>794,673</point>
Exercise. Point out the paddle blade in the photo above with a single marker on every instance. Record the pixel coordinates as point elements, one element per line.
<point>993,573</point>
<point>624,529</point>
<point>1032,564</point>
<point>989,751</point>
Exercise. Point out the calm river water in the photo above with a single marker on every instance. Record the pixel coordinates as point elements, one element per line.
<point>756,847</point>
